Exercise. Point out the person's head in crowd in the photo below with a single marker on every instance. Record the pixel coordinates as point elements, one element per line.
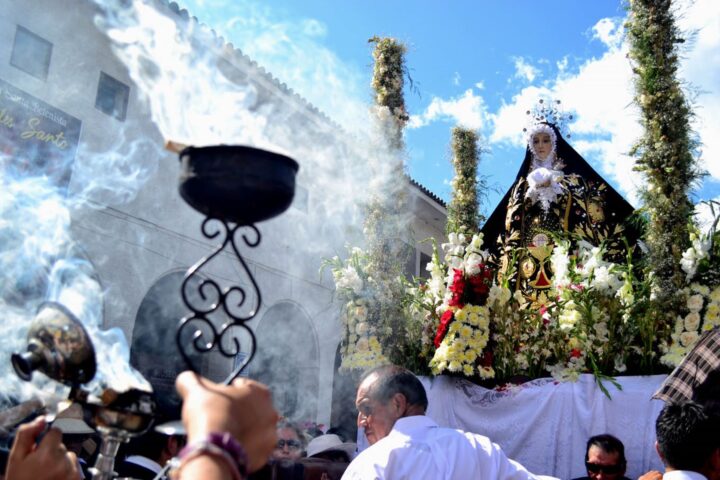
<point>331,447</point>
<point>156,446</point>
<point>340,432</point>
<point>707,394</point>
<point>312,431</point>
<point>688,439</point>
<point>605,457</point>
<point>291,442</point>
<point>386,394</point>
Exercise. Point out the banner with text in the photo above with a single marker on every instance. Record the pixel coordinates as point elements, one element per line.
<point>36,139</point>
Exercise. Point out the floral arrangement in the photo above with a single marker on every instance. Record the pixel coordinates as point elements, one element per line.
<point>360,346</point>
<point>701,265</point>
<point>453,300</point>
<point>581,329</point>
<point>594,320</point>
<point>703,313</point>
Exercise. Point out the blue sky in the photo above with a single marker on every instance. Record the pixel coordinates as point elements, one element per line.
<point>480,64</point>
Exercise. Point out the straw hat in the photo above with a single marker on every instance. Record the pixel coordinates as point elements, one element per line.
<point>329,443</point>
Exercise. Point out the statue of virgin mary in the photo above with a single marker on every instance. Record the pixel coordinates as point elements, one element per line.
<point>555,192</point>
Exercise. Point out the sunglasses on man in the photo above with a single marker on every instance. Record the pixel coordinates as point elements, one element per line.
<point>607,469</point>
<point>291,444</point>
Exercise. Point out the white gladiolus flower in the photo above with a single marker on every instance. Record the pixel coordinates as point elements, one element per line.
<point>349,278</point>
<point>560,261</point>
<point>476,242</point>
<point>472,263</point>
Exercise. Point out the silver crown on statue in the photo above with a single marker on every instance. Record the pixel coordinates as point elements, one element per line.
<point>548,111</point>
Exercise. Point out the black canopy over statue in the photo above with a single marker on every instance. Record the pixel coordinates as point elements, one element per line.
<point>555,192</point>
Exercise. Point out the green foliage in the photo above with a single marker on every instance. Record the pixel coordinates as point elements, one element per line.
<point>386,219</point>
<point>463,214</point>
<point>666,152</point>
<point>388,76</point>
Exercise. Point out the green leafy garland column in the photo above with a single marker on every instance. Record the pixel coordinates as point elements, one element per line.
<point>386,224</point>
<point>463,209</point>
<point>665,152</point>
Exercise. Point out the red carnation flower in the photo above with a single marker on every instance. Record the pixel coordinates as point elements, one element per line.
<point>575,353</point>
<point>457,288</point>
<point>481,283</point>
<point>445,320</point>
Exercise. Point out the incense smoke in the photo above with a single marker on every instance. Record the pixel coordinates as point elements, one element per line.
<point>200,91</point>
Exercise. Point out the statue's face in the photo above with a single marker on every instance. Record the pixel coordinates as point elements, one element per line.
<point>542,145</point>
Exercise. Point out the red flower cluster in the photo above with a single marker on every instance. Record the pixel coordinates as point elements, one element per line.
<point>445,320</point>
<point>457,288</point>
<point>473,290</point>
<point>481,284</point>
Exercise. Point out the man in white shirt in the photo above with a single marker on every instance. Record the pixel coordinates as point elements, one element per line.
<point>688,442</point>
<point>405,444</point>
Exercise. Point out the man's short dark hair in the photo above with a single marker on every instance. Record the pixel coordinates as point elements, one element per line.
<point>608,444</point>
<point>686,436</point>
<point>392,379</point>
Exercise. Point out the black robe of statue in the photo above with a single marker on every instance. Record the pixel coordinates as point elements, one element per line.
<point>588,209</point>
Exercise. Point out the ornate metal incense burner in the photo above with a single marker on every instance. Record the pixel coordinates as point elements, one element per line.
<point>235,187</point>
<point>117,417</point>
<point>58,346</point>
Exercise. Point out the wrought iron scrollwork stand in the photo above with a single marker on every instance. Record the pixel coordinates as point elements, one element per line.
<point>214,298</point>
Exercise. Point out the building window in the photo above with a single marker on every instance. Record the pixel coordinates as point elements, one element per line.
<point>112,96</point>
<point>31,53</point>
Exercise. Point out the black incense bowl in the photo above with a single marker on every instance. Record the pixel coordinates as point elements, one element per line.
<point>237,184</point>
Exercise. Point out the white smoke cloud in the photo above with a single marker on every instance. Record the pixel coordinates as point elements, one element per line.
<point>292,51</point>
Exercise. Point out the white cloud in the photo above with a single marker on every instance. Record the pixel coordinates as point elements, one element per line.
<point>509,120</point>
<point>609,31</point>
<point>562,64</point>
<point>705,214</point>
<point>524,70</point>
<point>468,110</point>
<point>701,68</point>
<point>480,85</point>
<point>456,78</point>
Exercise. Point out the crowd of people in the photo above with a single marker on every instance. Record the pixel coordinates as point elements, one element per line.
<point>234,432</point>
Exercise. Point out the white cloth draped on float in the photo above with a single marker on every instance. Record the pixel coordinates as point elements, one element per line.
<point>545,425</point>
